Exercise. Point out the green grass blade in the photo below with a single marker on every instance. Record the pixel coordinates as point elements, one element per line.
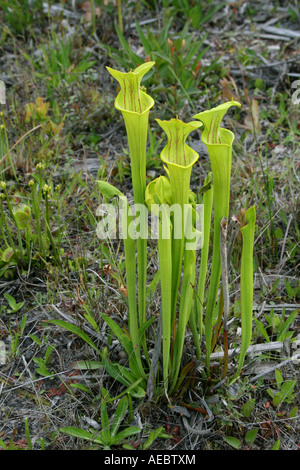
<point>138,392</point>
<point>76,330</point>
<point>286,325</point>
<point>124,376</point>
<point>27,432</point>
<point>135,59</point>
<point>128,432</point>
<point>105,433</point>
<point>122,337</point>
<point>119,416</point>
<point>81,434</point>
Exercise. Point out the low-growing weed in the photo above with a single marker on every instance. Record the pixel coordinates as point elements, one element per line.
<point>57,63</point>
<point>284,391</point>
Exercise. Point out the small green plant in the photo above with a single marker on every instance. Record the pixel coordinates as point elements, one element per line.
<point>247,284</point>
<point>276,446</point>
<point>15,335</point>
<point>20,15</point>
<point>14,306</point>
<point>197,13</point>
<point>154,434</point>
<point>293,293</point>
<point>24,445</point>
<point>276,327</point>
<point>239,444</point>
<point>58,64</point>
<point>109,435</point>
<point>27,240</point>
<point>284,392</point>
<point>42,363</point>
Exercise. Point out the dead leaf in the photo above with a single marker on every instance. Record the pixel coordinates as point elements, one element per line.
<point>123,290</point>
<point>229,89</point>
<point>252,121</point>
<point>255,115</point>
<point>241,217</point>
<point>80,300</point>
<point>107,270</point>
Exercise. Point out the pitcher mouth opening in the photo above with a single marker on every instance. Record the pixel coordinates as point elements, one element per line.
<point>123,109</point>
<point>225,137</point>
<point>131,98</point>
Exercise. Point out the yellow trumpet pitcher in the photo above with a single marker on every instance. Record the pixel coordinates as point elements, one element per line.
<point>218,142</point>
<point>135,105</point>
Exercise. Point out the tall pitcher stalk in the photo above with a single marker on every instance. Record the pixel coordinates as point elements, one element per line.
<point>218,142</point>
<point>179,159</point>
<point>172,195</point>
<point>135,105</point>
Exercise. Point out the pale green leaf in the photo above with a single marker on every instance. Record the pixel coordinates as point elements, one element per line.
<point>128,432</point>
<point>81,434</point>
<point>251,436</point>
<point>233,442</point>
<point>119,415</point>
<point>76,330</point>
<point>276,446</point>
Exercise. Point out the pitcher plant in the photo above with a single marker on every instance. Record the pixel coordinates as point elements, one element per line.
<point>170,200</point>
